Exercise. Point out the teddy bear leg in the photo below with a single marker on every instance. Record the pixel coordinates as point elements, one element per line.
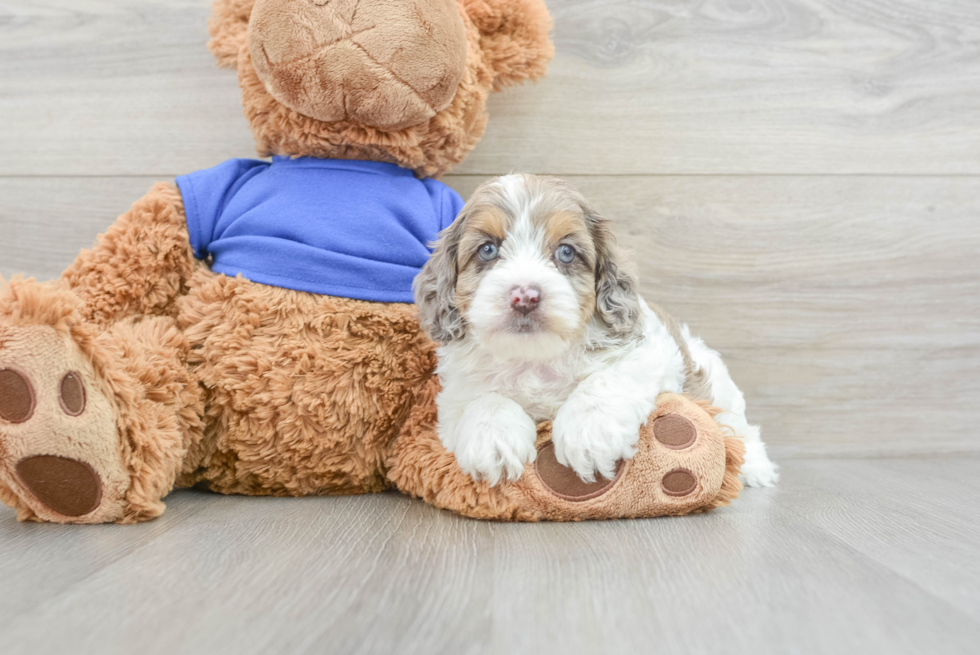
<point>683,465</point>
<point>140,266</point>
<point>94,424</point>
<point>304,391</point>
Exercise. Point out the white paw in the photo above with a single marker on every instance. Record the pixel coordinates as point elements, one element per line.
<point>590,439</point>
<point>758,470</point>
<point>494,439</point>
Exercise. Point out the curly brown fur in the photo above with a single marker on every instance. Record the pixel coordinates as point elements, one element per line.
<point>228,27</point>
<point>514,38</point>
<point>140,266</point>
<point>161,408</point>
<point>304,392</point>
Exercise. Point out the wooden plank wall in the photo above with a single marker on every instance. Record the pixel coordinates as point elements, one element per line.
<point>799,180</point>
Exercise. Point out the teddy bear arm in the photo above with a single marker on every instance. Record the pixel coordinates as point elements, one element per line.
<point>140,266</point>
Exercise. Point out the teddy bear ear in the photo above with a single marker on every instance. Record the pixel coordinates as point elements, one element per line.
<point>513,37</point>
<point>228,27</point>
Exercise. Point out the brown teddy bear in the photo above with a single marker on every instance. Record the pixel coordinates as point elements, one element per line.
<point>249,328</point>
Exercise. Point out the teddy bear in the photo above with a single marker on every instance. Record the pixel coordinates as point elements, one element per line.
<point>248,329</point>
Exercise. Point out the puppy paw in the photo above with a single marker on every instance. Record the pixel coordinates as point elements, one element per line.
<point>758,470</point>
<point>590,439</point>
<point>494,439</point>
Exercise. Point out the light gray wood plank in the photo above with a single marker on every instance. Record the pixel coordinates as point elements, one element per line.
<point>658,86</point>
<point>918,518</point>
<point>44,222</point>
<point>795,569</point>
<point>368,574</point>
<point>755,578</point>
<point>848,309</point>
<point>753,86</point>
<point>41,560</point>
<point>121,86</point>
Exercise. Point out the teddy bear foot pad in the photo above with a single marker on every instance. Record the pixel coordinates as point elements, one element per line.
<point>58,434</point>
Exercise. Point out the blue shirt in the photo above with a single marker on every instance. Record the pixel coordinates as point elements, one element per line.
<point>355,229</point>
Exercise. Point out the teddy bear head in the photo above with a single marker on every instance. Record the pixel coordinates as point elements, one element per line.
<point>399,81</point>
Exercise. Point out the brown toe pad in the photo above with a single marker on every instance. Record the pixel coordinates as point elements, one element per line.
<point>675,431</point>
<point>679,482</point>
<point>71,394</point>
<point>16,397</point>
<point>564,482</point>
<point>66,486</point>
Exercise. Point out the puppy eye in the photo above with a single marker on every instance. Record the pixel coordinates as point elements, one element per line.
<point>488,252</point>
<point>565,254</point>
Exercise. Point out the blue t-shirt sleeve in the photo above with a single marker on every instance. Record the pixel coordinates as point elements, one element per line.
<point>206,193</point>
<point>446,202</point>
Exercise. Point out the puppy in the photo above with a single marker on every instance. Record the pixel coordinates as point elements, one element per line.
<point>539,319</point>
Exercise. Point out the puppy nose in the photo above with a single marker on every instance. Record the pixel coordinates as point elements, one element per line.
<point>525,299</point>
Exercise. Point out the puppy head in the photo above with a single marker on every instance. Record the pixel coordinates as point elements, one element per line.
<point>524,269</point>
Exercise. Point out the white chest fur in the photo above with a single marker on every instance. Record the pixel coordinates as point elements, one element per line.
<point>539,386</point>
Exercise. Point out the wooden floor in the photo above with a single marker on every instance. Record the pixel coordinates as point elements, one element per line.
<point>799,180</point>
<point>845,556</point>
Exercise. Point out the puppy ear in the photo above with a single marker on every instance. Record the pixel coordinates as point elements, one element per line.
<point>617,299</point>
<point>228,27</point>
<point>513,37</point>
<point>435,288</point>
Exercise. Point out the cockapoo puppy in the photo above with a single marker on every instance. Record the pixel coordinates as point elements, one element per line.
<point>539,319</point>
